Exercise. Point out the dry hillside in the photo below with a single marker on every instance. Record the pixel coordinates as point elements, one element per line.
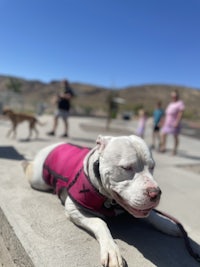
<point>91,99</point>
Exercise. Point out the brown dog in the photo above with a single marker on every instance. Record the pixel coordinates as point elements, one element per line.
<point>17,118</point>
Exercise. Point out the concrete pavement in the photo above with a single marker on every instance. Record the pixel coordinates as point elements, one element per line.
<point>33,227</point>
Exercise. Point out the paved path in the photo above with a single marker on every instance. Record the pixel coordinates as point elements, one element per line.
<point>33,227</point>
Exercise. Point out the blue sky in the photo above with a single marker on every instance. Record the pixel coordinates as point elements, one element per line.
<point>111,43</point>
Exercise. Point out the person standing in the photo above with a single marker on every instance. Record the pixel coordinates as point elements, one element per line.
<point>157,117</point>
<point>63,102</point>
<point>172,121</point>
<point>141,123</point>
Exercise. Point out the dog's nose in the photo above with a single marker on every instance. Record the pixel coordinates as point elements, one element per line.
<point>154,193</point>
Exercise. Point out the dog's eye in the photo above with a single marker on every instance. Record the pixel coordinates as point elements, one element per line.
<point>151,169</point>
<point>127,168</point>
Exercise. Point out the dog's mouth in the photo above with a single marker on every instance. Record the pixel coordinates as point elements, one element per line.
<point>136,212</point>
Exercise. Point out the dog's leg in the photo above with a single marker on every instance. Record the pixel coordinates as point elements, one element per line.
<point>12,130</point>
<point>32,126</point>
<point>30,130</point>
<point>163,224</point>
<point>36,132</point>
<point>34,177</point>
<point>109,251</point>
<point>28,169</point>
<point>9,132</point>
<point>34,169</point>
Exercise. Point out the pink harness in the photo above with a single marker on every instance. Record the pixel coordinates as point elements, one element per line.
<point>63,170</point>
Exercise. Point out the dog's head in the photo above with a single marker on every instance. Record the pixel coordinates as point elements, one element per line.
<point>126,168</point>
<point>7,111</point>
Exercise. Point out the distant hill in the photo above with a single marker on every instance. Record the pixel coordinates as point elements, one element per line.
<point>92,100</point>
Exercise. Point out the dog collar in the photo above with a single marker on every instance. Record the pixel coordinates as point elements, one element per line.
<point>96,171</point>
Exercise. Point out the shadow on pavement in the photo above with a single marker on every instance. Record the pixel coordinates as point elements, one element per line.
<point>83,140</point>
<point>24,140</point>
<point>9,152</point>
<point>160,249</point>
<point>185,154</point>
<point>102,129</point>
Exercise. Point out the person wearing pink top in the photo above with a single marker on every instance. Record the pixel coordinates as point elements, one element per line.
<point>141,123</point>
<point>172,121</point>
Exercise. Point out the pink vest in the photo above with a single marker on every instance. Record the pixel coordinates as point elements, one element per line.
<point>63,170</point>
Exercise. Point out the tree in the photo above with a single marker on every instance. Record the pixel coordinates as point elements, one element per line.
<point>113,100</point>
<point>14,85</point>
<point>14,92</point>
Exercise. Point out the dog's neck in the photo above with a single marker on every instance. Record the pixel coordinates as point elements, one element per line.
<point>91,168</point>
<point>96,171</point>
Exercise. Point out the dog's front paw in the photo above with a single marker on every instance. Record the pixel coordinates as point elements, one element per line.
<point>110,255</point>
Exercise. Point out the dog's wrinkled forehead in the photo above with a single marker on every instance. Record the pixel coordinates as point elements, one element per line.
<point>127,148</point>
<point>120,147</point>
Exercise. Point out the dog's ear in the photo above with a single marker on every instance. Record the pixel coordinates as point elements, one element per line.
<point>102,141</point>
<point>141,146</point>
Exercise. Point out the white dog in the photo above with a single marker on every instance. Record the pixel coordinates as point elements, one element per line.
<point>115,175</point>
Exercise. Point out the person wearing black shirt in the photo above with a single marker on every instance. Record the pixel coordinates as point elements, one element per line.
<point>63,108</point>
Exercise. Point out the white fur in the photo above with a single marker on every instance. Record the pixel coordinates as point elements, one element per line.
<point>36,180</point>
<point>126,171</point>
